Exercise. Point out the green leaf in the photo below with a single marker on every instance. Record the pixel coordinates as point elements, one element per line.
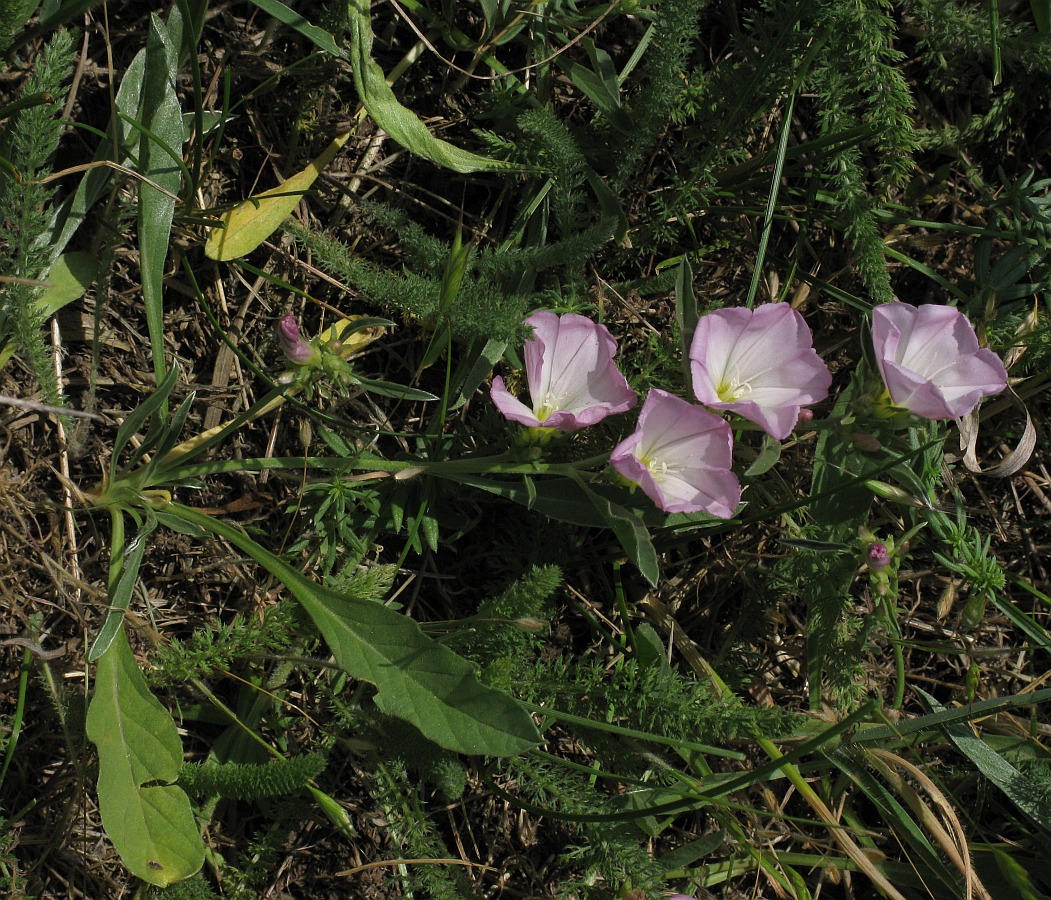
<point>600,83</point>
<point>161,120</point>
<point>768,456</point>
<point>1031,795</point>
<point>145,815</point>
<point>70,276</point>
<point>1042,15</point>
<point>686,315</point>
<point>318,36</point>
<point>631,532</point>
<point>399,122</point>
<point>120,596</point>
<point>417,678</point>
<point>1015,877</point>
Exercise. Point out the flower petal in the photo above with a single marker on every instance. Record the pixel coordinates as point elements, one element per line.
<point>513,408</point>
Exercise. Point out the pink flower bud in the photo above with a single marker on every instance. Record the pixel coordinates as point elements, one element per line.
<point>878,556</point>
<point>297,350</point>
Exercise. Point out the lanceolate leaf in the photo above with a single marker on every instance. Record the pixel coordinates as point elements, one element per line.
<point>1030,794</point>
<point>162,134</point>
<point>147,817</point>
<point>417,678</point>
<point>400,123</point>
<point>248,224</point>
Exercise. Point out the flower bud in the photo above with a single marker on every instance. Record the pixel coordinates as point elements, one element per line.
<point>298,351</point>
<point>865,442</point>
<point>878,556</point>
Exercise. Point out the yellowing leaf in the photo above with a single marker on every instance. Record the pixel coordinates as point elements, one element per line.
<point>250,223</point>
<point>354,342</point>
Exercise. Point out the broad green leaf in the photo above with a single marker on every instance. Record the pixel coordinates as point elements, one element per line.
<point>91,187</point>
<point>69,278</point>
<point>1042,15</point>
<point>1030,794</point>
<point>145,815</point>
<point>417,678</point>
<point>768,456</point>
<point>399,122</point>
<point>161,120</point>
<point>248,224</point>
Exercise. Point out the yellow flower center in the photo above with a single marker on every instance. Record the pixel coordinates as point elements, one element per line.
<point>733,389</point>
<point>548,405</point>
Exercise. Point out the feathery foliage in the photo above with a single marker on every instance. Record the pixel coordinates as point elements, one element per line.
<point>30,139</point>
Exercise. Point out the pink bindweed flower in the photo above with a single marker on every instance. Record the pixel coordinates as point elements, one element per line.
<point>298,350</point>
<point>573,381</point>
<point>931,362</point>
<point>680,455</point>
<point>760,363</point>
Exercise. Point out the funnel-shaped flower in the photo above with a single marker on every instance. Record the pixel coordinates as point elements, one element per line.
<point>573,381</point>
<point>931,362</point>
<point>759,363</point>
<point>298,350</point>
<point>680,456</point>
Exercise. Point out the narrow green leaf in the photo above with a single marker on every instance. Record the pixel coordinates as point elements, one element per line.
<point>150,407</point>
<point>162,117</point>
<point>685,313</point>
<point>120,596</point>
<point>1016,877</point>
<point>1042,15</point>
<point>145,815</point>
<point>399,122</point>
<point>318,36</point>
<point>906,830</point>
<point>632,534</point>
<point>390,389</point>
<point>417,678</point>
<point>1030,795</point>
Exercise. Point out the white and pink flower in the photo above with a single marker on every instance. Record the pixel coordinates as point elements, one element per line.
<point>930,360</point>
<point>573,381</point>
<point>680,455</point>
<point>760,364</point>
